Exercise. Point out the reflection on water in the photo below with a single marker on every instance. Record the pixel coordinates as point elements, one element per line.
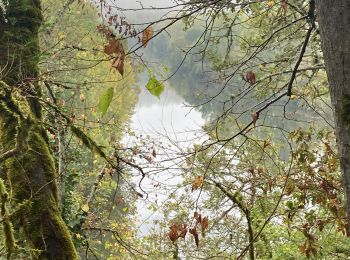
<point>165,120</point>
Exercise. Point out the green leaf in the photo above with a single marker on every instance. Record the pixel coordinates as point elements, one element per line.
<point>105,101</point>
<point>155,87</point>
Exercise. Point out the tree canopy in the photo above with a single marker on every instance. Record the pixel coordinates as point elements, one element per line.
<point>267,175</point>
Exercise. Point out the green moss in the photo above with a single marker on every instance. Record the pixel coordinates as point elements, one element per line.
<point>6,223</point>
<point>88,141</point>
<point>33,182</point>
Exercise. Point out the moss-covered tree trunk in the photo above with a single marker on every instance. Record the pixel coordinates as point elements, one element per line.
<point>29,171</point>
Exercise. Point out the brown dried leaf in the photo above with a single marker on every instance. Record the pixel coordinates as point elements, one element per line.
<point>250,77</point>
<point>194,232</point>
<point>255,117</point>
<point>183,231</point>
<point>197,183</point>
<point>266,143</point>
<point>284,5</point>
<point>147,35</point>
<point>114,47</point>
<point>118,64</point>
<point>204,224</point>
<point>173,236</point>
<point>118,200</point>
<point>250,169</point>
<point>261,170</point>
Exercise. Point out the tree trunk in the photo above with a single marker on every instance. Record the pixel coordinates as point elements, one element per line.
<point>29,173</point>
<point>334,23</point>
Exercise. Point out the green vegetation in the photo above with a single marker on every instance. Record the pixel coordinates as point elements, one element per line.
<point>264,178</point>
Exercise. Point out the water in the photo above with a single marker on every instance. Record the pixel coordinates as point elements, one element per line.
<point>169,126</point>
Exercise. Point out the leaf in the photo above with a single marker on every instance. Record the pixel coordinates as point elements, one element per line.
<point>118,200</point>
<point>250,169</point>
<point>284,5</point>
<point>270,3</point>
<point>197,183</point>
<point>173,236</point>
<point>194,232</point>
<point>146,36</point>
<point>204,224</point>
<point>105,101</point>
<point>250,77</point>
<point>115,48</point>
<point>261,170</point>
<point>85,208</point>
<point>155,87</point>
<point>198,217</point>
<point>118,64</point>
<point>255,117</point>
<point>183,231</point>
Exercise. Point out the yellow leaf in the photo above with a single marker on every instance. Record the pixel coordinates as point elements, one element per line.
<point>270,3</point>
<point>85,207</point>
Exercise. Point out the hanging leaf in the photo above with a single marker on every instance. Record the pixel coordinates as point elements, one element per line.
<point>105,101</point>
<point>204,224</point>
<point>197,183</point>
<point>115,49</point>
<point>194,232</point>
<point>118,64</point>
<point>250,77</point>
<point>146,36</point>
<point>183,231</point>
<point>155,87</point>
<point>198,217</point>
<point>284,5</point>
<point>173,236</point>
<point>255,117</point>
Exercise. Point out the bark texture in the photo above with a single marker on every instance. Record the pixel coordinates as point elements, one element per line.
<point>334,22</point>
<point>30,173</point>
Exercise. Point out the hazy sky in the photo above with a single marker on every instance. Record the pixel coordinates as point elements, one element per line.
<point>143,16</point>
